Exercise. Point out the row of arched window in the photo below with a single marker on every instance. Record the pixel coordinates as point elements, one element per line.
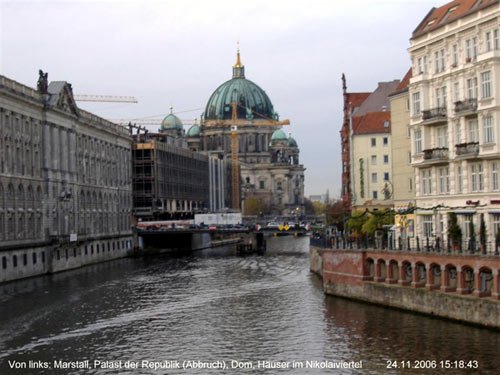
<point>20,212</point>
<point>103,163</point>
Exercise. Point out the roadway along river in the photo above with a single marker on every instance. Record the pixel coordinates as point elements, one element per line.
<point>218,309</point>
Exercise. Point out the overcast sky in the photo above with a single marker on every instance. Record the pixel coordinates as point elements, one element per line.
<point>177,52</point>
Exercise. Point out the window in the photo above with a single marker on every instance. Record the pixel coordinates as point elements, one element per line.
<point>374,177</point>
<point>14,260</point>
<point>442,136</point>
<point>486,84</point>
<point>467,219</point>
<point>25,259</point>
<point>416,103</point>
<point>374,194</point>
<point>261,185</point>
<point>473,131</point>
<point>386,123</point>
<point>471,49</point>
<point>472,88</point>
<point>494,175</point>
<point>496,38</point>
<point>373,160</point>
<point>439,61</point>
<point>441,97</point>
<point>458,133</point>
<point>374,142</point>
<point>488,129</point>
<point>454,54</point>
<point>477,177</point>
<point>418,141</point>
<point>422,64</point>
<point>386,159</point>
<point>487,41</point>
<point>426,177</point>
<point>4,262</point>
<point>428,225</point>
<point>34,258</point>
<point>444,180</point>
<point>460,184</point>
<point>386,176</point>
<point>408,131</point>
<point>410,184</point>
<point>495,223</point>
<point>386,141</point>
<point>409,157</point>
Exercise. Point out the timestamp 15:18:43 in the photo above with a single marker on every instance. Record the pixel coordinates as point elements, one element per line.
<point>433,364</point>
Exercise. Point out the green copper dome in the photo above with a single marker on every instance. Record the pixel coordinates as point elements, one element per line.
<point>278,135</point>
<point>252,101</point>
<point>292,142</point>
<point>194,131</point>
<point>171,121</point>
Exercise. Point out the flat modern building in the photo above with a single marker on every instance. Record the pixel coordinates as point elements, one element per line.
<point>455,110</point>
<point>65,182</point>
<point>173,182</point>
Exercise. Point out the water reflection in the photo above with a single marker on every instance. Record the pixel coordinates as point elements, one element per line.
<point>213,305</point>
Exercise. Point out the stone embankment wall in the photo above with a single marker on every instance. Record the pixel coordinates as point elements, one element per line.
<point>454,286</point>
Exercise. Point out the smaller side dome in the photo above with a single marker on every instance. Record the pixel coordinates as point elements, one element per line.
<point>194,131</point>
<point>171,121</point>
<point>292,142</point>
<point>278,135</point>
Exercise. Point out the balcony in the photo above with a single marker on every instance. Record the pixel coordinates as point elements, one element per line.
<point>434,115</point>
<point>434,155</point>
<point>466,107</point>
<point>465,150</point>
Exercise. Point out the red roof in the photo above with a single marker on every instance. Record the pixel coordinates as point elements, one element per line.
<point>405,81</point>
<point>438,17</point>
<point>355,99</point>
<point>371,123</point>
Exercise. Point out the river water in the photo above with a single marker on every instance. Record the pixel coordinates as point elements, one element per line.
<point>213,308</point>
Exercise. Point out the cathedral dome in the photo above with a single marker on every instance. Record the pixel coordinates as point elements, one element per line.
<point>278,135</point>
<point>252,102</point>
<point>171,121</point>
<point>292,142</point>
<point>194,131</point>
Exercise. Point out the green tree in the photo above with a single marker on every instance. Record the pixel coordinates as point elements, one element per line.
<point>356,222</point>
<point>377,220</point>
<point>454,231</point>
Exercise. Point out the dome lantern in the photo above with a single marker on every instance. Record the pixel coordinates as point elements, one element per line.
<point>238,67</point>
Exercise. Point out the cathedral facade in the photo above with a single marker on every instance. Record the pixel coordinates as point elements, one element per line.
<point>271,176</point>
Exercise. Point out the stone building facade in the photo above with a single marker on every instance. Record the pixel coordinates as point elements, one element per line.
<point>65,182</point>
<point>454,101</point>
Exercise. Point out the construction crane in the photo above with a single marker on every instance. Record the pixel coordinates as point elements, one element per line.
<point>105,98</point>
<point>235,168</point>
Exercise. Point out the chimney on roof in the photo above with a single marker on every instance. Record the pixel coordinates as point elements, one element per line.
<point>384,108</point>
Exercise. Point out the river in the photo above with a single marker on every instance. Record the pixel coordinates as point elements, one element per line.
<point>214,309</point>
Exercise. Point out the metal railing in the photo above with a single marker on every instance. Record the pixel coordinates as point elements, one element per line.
<point>471,148</point>
<point>440,153</point>
<point>467,105</point>
<point>415,244</point>
<point>434,113</point>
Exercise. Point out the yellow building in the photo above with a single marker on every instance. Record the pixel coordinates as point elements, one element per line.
<point>403,175</point>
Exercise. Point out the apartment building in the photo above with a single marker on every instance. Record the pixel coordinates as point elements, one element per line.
<point>454,114</point>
